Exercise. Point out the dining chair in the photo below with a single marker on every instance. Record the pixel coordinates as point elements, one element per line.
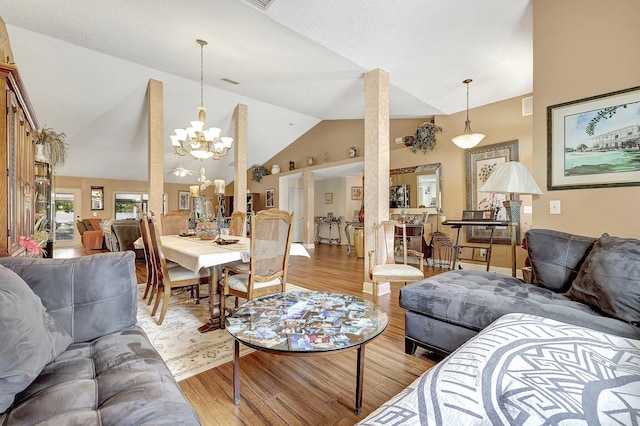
<point>149,290</point>
<point>382,260</point>
<point>238,226</point>
<point>270,242</point>
<point>175,280</point>
<point>174,223</point>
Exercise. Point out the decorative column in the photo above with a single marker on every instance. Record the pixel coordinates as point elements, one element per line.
<point>155,106</point>
<point>240,159</point>
<point>308,185</point>
<point>376,163</point>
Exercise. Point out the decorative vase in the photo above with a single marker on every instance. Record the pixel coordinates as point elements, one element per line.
<point>275,169</point>
<point>361,214</point>
<point>310,161</point>
<point>353,152</point>
<point>206,230</point>
<point>292,165</point>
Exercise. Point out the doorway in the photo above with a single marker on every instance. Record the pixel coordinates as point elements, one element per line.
<point>66,204</point>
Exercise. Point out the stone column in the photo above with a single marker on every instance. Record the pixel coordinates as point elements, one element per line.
<point>156,145</point>
<point>240,159</point>
<point>376,163</point>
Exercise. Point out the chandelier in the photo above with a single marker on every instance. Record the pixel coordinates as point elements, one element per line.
<point>468,139</point>
<point>196,140</point>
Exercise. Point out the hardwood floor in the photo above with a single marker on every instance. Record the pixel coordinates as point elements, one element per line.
<point>310,390</point>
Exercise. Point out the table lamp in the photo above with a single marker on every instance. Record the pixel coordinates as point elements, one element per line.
<point>511,178</point>
<point>218,189</point>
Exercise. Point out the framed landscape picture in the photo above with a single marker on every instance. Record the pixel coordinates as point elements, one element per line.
<point>594,142</point>
<point>480,163</point>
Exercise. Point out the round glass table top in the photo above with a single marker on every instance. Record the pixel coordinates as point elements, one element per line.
<point>306,321</point>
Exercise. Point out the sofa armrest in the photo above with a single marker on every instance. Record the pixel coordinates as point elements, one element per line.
<point>90,296</point>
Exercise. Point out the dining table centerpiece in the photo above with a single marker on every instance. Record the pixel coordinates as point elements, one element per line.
<point>206,228</point>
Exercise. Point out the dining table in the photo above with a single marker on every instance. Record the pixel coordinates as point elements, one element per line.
<point>194,254</point>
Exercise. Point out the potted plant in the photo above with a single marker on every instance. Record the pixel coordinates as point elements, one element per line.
<point>54,146</point>
<point>425,140</point>
<point>259,172</point>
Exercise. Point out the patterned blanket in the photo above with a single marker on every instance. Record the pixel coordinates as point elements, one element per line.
<point>525,370</point>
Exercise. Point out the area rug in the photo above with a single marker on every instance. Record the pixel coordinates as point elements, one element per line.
<point>186,351</point>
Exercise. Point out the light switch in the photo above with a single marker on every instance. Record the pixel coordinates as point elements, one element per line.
<point>554,207</point>
<point>528,209</point>
<point>95,214</point>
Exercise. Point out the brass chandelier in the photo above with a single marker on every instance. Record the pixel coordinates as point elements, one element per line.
<point>196,140</point>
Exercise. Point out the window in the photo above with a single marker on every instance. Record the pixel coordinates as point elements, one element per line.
<point>129,205</point>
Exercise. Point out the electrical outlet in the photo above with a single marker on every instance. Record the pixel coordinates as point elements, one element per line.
<point>483,253</point>
<point>528,209</point>
<point>554,207</point>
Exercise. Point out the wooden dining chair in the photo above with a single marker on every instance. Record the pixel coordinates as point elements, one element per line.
<point>271,232</point>
<point>238,226</point>
<point>382,260</point>
<point>150,289</point>
<point>174,223</point>
<point>175,280</point>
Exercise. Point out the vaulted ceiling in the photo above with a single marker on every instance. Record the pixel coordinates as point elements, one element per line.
<point>86,64</point>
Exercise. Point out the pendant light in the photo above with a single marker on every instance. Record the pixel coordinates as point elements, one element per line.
<point>468,139</point>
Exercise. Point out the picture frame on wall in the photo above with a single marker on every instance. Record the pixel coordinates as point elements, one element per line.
<point>594,142</point>
<point>480,163</point>
<point>97,198</point>
<point>356,193</point>
<point>183,200</point>
<point>328,197</point>
<point>270,198</point>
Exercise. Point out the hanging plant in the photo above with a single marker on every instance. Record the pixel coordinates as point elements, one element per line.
<point>259,172</point>
<point>54,145</point>
<point>425,138</point>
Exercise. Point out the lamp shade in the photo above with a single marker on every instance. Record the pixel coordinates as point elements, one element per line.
<point>218,186</point>
<point>468,140</point>
<point>511,177</point>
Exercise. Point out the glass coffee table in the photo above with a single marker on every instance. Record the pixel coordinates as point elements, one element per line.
<point>305,323</point>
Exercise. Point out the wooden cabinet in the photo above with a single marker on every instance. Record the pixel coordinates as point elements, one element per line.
<point>254,204</point>
<point>17,155</point>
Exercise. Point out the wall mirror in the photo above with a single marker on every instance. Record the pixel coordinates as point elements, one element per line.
<point>97,198</point>
<point>418,187</point>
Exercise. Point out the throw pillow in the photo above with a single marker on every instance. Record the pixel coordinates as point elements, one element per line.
<point>610,278</point>
<point>30,337</point>
<point>556,257</point>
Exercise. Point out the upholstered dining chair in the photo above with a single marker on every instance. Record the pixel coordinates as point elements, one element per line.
<point>271,232</point>
<point>174,223</point>
<point>238,225</point>
<point>382,260</point>
<point>171,281</point>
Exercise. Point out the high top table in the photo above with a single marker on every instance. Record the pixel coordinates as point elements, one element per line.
<point>306,323</point>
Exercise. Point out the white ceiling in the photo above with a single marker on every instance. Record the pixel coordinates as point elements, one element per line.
<point>86,64</point>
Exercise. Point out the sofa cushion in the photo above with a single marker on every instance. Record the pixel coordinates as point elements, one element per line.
<point>556,257</point>
<point>474,299</point>
<point>30,338</point>
<point>610,278</point>
<point>115,379</point>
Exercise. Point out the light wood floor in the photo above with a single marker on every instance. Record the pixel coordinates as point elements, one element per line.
<point>309,390</point>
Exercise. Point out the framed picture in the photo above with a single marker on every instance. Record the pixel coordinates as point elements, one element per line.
<point>594,142</point>
<point>356,193</point>
<point>183,200</point>
<point>480,163</point>
<point>328,197</point>
<point>97,198</point>
<point>270,196</point>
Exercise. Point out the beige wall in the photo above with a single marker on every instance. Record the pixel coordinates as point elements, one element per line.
<point>110,187</point>
<point>583,49</point>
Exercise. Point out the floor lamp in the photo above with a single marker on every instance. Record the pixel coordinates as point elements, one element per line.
<point>512,178</point>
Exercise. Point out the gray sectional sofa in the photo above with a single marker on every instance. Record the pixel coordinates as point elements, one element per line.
<point>71,352</point>
<point>446,310</point>
<point>564,350</point>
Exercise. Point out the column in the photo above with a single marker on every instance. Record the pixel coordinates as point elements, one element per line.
<point>308,185</point>
<point>155,144</point>
<point>376,163</point>
<point>240,159</point>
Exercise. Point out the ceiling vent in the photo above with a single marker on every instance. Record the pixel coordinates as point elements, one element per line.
<point>261,4</point>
